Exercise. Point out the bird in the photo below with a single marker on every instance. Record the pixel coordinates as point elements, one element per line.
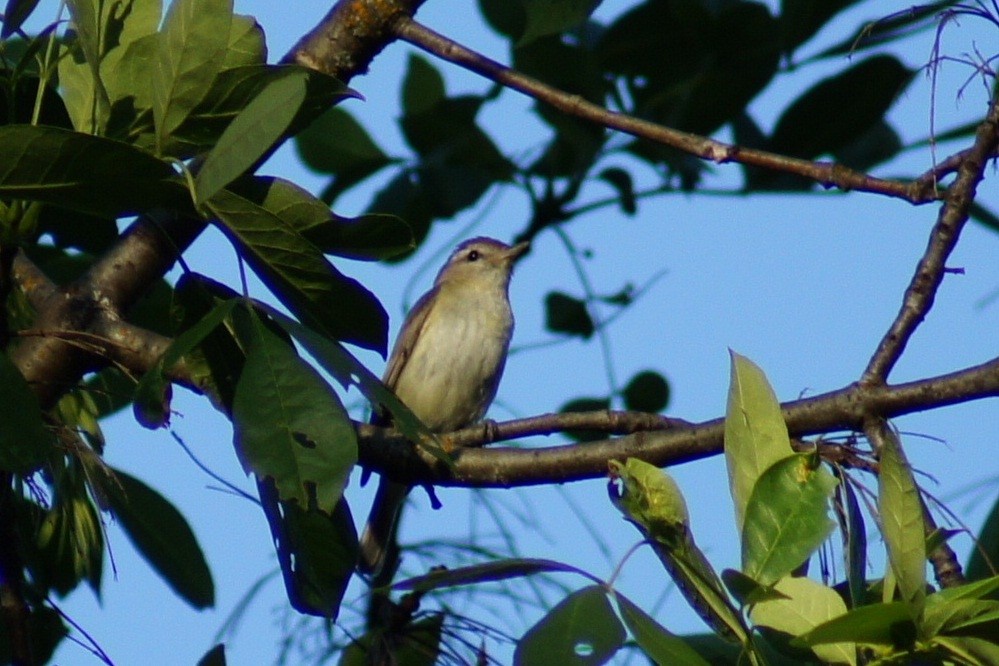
<point>445,366</point>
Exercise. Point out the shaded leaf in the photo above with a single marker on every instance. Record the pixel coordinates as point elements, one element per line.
<point>252,134</point>
<point>621,181</point>
<point>647,391</point>
<point>580,629</point>
<point>214,657</point>
<point>288,424</point>
<point>503,569</point>
<point>549,17</point>
<point>755,432</point>
<point>246,43</point>
<point>801,19</point>
<point>70,540</point>
<point>984,559</point>
<point>895,26</point>
<point>14,15</point>
<point>45,631</point>
<point>853,529</point>
<point>585,405</point>
<point>299,275</point>
<point>656,642</point>
<point>162,536</point>
<point>422,86</point>
<point>565,314</point>
<point>26,441</point>
<point>878,624</point>
<point>72,170</point>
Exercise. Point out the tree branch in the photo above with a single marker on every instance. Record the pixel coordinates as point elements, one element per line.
<point>674,442</point>
<point>922,289</point>
<point>827,174</point>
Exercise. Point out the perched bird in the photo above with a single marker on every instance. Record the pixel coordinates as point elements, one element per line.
<point>446,364</point>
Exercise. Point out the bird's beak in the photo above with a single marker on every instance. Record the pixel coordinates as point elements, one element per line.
<point>517,251</point>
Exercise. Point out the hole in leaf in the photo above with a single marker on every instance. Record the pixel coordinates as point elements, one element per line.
<point>583,649</point>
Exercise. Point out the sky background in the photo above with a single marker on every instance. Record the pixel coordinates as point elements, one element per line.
<point>803,285</point>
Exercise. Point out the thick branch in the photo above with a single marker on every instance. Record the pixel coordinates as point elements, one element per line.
<point>827,174</point>
<point>350,36</point>
<point>922,289</point>
<point>846,409</point>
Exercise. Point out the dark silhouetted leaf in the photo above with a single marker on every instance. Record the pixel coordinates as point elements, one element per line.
<point>801,19</point>
<point>580,629</point>
<point>26,440</point>
<point>484,573</point>
<point>621,181</point>
<point>984,559</point>
<point>565,314</point>
<point>549,17</point>
<point>14,14</point>
<point>647,391</point>
<point>656,642</point>
<point>162,536</point>
<point>214,657</point>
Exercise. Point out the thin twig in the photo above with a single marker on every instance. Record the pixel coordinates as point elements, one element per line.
<point>827,174</point>
<point>922,289</point>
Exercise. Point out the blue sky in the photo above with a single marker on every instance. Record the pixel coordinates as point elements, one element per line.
<point>803,285</point>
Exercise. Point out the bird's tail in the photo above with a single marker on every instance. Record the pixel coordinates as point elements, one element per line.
<point>378,546</point>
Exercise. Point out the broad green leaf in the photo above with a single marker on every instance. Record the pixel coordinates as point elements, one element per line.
<point>848,105</point>
<point>969,649</point>
<point>878,624</point>
<point>806,605</point>
<point>335,143</point>
<point>746,590</point>
<point>651,498</point>
<point>162,536</point>
<point>192,48</point>
<point>289,425</point>
<point>902,523</point>
<point>960,616</point>
<point>347,370</point>
<point>152,399</point>
<point>506,17</point>
<point>126,23</point>
<point>299,275</point>
<point>984,559</point>
<point>549,17</point>
<point>656,642</point>
<point>647,392</point>
<point>503,569</point>
<point>80,70</point>
<point>565,314</point>
<point>246,43</point>
<point>786,517</point>
<point>254,131</point>
<point>369,237</point>
<point>26,441</point>
<point>317,551</point>
<point>580,629</point>
<point>72,170</point>
<point>422,87</point>
<point>755,432</point>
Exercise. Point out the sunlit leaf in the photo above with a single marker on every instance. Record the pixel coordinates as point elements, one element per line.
<point>656,642</point>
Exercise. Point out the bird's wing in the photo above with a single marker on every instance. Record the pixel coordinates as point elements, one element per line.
<point>406,340</point>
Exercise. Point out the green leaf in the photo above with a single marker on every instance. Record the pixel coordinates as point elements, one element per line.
<point>806,605</point>
<point>72,170</point>
<point>647,392</point>
<point>565,314</point>
<point>369,237</point>
<point>985,555</point>
<point>755,432</point>
<point>621,181</point>
<point>549,17</point>
<point>886,29</point>
<point>26,441</point>
<point>418,645</point>
<point>299,275</point>
<point>838,110</point>
<point>80,67</point>
<point>192,48</point>
<point>162,536</point>
<point>960,616</point>
<point>246,43</point>
<point>506,17</point>
<point>851,525</point>
<point>656,642</point>
<point>317,551</point>
<point>289,425</point>
<point>152,396</point>
<point>651,498</point>
<point>337,144</point>
<point>786,517</point>
<point>969,650</point>
<point>902,523</point>
<point>801,19</point>
<point>45,631</point>
<point>70,540</point>
<point>503,569</point>
<point>878,624</point>
<point>252,134</point>
<point>422,87</point>
<point>580,629</point>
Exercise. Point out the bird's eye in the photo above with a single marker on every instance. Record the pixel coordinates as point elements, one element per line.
<point>474,255</point>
